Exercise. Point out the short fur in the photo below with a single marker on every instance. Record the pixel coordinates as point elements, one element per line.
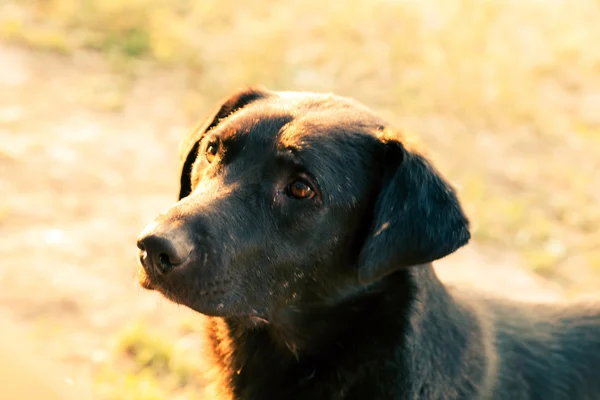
<point>334,296</point>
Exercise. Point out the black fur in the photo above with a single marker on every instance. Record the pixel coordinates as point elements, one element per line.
<point>334,296</point>
<point>417,220</point>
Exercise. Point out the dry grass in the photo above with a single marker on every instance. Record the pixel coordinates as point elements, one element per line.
<point>147,366</point>
<point>506,93</point>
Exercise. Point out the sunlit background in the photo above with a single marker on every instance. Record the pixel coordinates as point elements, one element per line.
<point>95,96</point>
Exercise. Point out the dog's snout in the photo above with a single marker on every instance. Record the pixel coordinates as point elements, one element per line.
<point>163,250</point>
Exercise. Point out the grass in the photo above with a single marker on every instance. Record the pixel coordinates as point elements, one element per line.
<point>144,365</point>
<point>505,93</point>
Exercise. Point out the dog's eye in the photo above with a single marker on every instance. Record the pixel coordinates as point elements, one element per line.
<point>300,189</point>
<point>211,150</point>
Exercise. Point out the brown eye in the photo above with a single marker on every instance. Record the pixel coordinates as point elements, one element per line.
<point>300,190</point>
<point>211,151</point>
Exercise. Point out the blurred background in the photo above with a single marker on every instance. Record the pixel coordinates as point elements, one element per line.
<point>95,96</point>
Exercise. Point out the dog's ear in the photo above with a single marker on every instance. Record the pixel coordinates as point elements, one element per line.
<point>189,146</point>
<point>417,217</point>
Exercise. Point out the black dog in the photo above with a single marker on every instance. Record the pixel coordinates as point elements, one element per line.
<point>305,230</point>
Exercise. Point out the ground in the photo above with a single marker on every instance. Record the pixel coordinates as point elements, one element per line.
<point>505,98</point>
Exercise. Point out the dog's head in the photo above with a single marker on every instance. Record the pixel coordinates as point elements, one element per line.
<point>292,198</point>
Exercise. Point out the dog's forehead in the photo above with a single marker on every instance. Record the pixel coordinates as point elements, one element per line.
<point>292,119</point>
<point>323,131</point>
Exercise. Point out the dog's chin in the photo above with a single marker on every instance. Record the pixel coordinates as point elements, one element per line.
<point>244,315</point>
<point>224,309</point>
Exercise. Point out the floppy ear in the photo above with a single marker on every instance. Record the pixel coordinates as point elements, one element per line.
<point>417,217</point>
<point>189,146</point>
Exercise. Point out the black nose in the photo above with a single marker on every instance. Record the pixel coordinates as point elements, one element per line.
<point>163,250</point>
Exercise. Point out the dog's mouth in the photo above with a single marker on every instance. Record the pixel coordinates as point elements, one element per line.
<point>210,296</point>
<point>143,277</point>
<point>146,275</point>
<point>194,284</point>
<point>211,300</point>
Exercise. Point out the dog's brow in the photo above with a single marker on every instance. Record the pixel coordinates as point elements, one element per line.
<point>233,132</point>
<point>290,135</point>
<point>289,155</point>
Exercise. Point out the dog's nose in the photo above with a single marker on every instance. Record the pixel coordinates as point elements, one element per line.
<point>163,250</point>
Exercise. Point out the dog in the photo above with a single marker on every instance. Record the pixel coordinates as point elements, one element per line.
<point>305,232</point>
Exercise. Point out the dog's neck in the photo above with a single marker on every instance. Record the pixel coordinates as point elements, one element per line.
<point>436,338</point>
<point>412,301</point>
<point>319,330</point>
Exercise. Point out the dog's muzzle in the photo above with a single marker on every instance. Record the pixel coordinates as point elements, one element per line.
<point>162,248</point>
